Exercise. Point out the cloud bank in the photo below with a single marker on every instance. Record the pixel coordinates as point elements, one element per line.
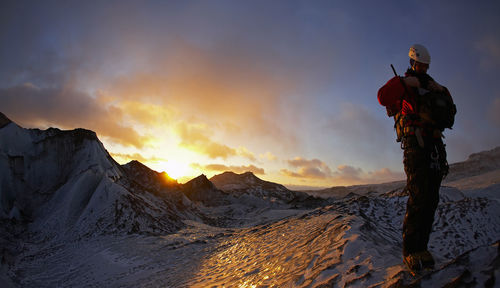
<point>315,169</point>
<point>64,107</point>
<point>217,168</point>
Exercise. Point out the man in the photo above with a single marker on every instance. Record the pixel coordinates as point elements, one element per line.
<point>412,101</point>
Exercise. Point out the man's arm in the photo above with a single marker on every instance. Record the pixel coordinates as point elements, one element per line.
<point>391,94</point>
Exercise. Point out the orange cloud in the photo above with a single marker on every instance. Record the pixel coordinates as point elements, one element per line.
<point>385,175</point>
<point>219,89</point>
<point>68,108</point>
<point>147,114</point>
<point>126,136</point>
<point>224,168</point>
<point>348,173</point>
<point>125,158</point>
<point>196,137</point>
<point>289,173</point>
<point>353,175</point>
<point>314,169</point>
<point>269,156</point>
<point>243,152</point>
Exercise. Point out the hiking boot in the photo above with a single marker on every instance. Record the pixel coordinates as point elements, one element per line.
<point>427,260</point>
<point>412,262</point>
<point>419,260</point>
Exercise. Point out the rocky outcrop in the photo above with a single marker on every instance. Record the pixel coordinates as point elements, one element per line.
<point>202,190</point>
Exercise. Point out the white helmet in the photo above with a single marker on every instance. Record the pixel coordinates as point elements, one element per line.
<point>420,54</point>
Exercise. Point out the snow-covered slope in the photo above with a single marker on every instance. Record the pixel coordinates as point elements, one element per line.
<point>353,243</point>
<point>65,184</point>
<point>247,188</point>
<point>248,183</point>
<point>339,192</point>
<point>478,176</point>
<point>36,164</point>
<point>477,164</point>
<point>70,216</point>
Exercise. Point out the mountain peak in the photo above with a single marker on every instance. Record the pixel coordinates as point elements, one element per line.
<point>200,182</point>
<point>247,182</point>
<point>236,174</point>
<point>136,165</point>
<point>248,173</point>
<point>4,121</point>
<point>232,177</point>
<point>228,173</point>
<point>138,170</point>
<point>202,189</point>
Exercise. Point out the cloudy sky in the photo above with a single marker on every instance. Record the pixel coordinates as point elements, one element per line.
<point>285,89</point>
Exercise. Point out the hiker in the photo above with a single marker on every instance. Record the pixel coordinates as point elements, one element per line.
<point>422,109</point>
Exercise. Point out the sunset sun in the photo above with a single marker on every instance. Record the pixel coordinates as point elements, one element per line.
<point>174,169</point>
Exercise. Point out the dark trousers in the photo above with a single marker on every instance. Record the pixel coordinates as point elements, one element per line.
<point>424,169</point>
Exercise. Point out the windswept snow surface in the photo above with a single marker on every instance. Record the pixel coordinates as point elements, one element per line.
<point>72,217</point>
<point>352,243</point>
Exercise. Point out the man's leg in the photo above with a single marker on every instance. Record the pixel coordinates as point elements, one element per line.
<point>416,163</point>
<point>423,185</point>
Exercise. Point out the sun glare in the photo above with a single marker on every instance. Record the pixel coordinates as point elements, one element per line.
<point>174,169</point>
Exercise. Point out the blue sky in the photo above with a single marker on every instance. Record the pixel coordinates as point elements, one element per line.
<point>286,89</point>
